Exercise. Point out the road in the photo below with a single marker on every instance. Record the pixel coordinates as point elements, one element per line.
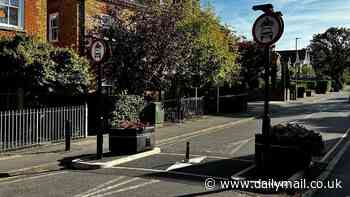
<point>221,153</point>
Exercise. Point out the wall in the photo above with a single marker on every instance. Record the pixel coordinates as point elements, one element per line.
<point>34,20</point>
<point>68,19</point>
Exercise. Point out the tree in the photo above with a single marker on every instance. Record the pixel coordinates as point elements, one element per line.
<point>330,53</point>
<point>214,53</point>
<point>147,48</point>
<point>251,60</point>
<point>159,43</point>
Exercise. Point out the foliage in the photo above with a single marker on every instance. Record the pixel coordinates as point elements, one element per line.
<point>307,71</point>
<point>330,53</point>
<point>346,76</point>
<point>323,86</point>
<point>40,68</point>
<point>310,85</point>
<point>250,59</point>
<point>213,47</point>
<point>296,135</point>
<point>127,108</point>
<point>159,44</point>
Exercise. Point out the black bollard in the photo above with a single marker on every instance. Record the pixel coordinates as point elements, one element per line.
<point>68,134</point>
<point>187,158</point>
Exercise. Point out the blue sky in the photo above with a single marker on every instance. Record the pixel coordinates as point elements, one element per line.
<point>302,18</point>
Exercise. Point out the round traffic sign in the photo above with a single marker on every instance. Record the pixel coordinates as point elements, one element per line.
<point>268,29</point>
<point>98,51</point>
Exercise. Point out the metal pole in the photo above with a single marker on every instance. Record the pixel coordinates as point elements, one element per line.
<point>266,118</point>
<point>217,99</point>
<point>296,68</point>
<point>187,156</point>
<point>196,97</point>
<point>68,134</point>
<point>99,115</point>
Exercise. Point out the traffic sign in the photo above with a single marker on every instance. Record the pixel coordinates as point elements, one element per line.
<point>98,51</point>
<point>268,29</point>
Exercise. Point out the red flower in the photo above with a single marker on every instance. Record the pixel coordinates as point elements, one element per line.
<point>133,124</point>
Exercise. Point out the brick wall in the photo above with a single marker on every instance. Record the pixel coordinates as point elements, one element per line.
<point>72,28</point>
<point>68,19</point>
<point>34,20</point>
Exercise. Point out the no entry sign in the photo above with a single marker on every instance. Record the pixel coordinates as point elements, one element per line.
<point>268,29</point>
<point>98,51</point>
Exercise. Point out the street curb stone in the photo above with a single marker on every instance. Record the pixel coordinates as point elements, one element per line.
<point>32,170</point>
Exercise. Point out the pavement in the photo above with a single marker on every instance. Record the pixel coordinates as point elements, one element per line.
<point>221,147</point>
<point>49,157</point>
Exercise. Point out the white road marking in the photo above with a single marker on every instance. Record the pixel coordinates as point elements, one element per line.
<point>187,136</point>
<point>110,187</point>
<point>327,172</point>
<point>235,176</point>
<point>178,165</point>
<point>32,178</point>
<point>240,146</point>
<point>169,172</point>
<point>335,146</point>
<point>192,161</point>
<point>128,188</point>
<point>179,154</point>
<point>197,160</point>
<point>10,157</point>
<point>308,116</point>
<point>100,186</point>
<point>230,145</point>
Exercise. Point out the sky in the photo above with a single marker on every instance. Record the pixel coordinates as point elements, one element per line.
<point>302,18</point>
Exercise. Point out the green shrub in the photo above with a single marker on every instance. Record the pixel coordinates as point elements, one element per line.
<point>310,85</point>
<point>127,108</point>
<point>323,86</point>
<point>40,68</point>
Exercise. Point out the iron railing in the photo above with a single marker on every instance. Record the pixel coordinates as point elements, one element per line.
<point>29,127</point>
<point>189,108</point>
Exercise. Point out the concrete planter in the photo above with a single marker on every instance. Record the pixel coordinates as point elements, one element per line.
<point>128,141</point>
<point>277,159</point>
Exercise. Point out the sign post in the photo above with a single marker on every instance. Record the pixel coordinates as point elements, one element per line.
<point>98,52</point>
<point>267,30</point>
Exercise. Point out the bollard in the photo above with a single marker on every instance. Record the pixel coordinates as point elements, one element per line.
<point>187,157</point>
<point>68,134</point>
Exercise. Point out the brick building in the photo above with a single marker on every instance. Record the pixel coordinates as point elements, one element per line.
<point>23,16</point>
<point>70,22</point>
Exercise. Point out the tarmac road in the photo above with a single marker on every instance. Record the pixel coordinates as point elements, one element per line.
<point>220,153</point>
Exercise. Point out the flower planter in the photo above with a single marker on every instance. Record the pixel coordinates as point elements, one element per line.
<point>131,140</point>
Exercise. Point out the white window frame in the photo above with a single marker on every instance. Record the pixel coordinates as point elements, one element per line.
<point>53,16</point>
<point>20,8</point>
<point>106,24</point>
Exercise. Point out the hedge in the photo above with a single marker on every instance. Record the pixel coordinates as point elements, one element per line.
<point>310,85</point>
<point>323,86</point>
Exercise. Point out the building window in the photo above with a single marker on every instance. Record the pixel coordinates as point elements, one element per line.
<point>53,27</point>
<point>11,13</point>
<point>106,21</point>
